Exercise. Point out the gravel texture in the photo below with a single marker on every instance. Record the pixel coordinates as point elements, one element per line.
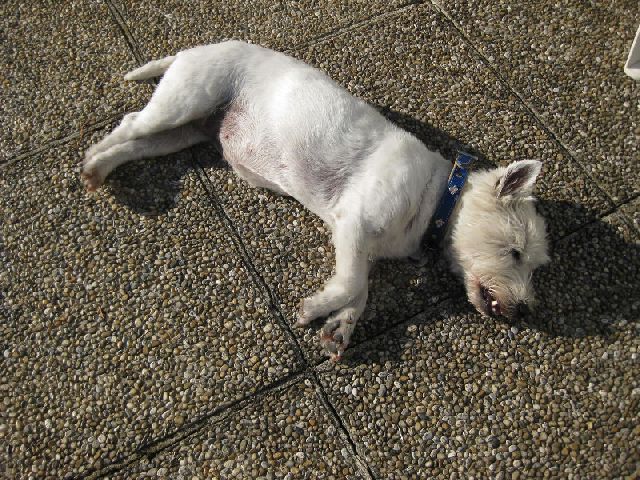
<point>291,249</point>
<point>452,395</point>
<point>142,328</point>
<point>128,313</point>
<point>462,397</point>
<point>62,68</point>
<point>569,69</point>
<point>170,26</point>
<point>632,212</point>
<point>447,95</point>
<point>286,434</point>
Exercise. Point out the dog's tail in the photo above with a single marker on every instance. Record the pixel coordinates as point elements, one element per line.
<point>154,68</point>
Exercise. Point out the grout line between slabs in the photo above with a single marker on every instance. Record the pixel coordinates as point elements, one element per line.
<point>280,318</point>
<point>324,37</point>
<point>359,458</point>
<point>600,217</point>
<point>62,140</point>
<point>236,237</point>
<point>219,414</point>
<point>308,371</point>
<point>119,18</point>
<point>521,98</point>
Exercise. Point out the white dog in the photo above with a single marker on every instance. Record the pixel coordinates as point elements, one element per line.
<point>285,126</point>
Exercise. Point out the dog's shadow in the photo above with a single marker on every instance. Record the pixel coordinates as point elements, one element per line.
<point>588,289</point>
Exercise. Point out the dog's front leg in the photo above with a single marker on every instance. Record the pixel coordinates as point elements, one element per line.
<point>349,283</point>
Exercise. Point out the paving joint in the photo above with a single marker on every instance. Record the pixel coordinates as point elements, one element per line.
<point>278,315</point>
<point>599,217</point>
<point>219,414</point>
<point>323,37</point>
<point>358,347</point>
<point>306,369</point>
<point>119,18</point>
<point>563,147</point>
<point>360,459</point>
<point>62,140</point>
<point>209,186</point>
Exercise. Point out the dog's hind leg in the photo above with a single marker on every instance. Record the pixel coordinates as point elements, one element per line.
<point>196,83</point>
<point>96,168</point>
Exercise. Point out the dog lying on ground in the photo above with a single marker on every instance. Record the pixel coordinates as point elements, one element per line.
<point>286,126</point>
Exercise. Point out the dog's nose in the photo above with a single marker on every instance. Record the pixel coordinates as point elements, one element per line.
<point>521,310</point>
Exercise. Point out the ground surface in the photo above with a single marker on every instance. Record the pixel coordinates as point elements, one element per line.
<point>146,330</point>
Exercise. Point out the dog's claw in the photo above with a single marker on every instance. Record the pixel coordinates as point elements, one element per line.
<point>332,338</point>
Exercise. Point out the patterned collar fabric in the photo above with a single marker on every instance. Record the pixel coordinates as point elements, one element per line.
<point>457,178</point>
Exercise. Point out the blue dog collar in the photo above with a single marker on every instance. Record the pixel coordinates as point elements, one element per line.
<point>457,179</point>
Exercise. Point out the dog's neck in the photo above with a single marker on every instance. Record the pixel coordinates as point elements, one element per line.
<point>440,223</point>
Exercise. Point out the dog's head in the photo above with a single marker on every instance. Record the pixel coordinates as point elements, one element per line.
<point>498,239</point>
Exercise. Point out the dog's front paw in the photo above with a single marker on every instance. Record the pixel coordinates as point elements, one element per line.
<point>336,333</point>
<point>304,317</point>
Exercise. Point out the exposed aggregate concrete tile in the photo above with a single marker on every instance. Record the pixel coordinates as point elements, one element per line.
<point>126,314</point>
<point>61,69</point>
<point>130,314</point>
<point>168,27</point>
<point>286,434</point>
<point>632,212</point>
<point>442,91</point>
<point>291,249</point>
<point>566,58</point>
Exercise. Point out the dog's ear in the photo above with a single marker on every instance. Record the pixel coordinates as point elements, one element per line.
<point>518,178</point>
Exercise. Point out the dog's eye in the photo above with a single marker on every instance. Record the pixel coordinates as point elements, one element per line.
<point>516,255</point>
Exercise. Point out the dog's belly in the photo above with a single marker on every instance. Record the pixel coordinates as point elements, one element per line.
<point>251,155</point>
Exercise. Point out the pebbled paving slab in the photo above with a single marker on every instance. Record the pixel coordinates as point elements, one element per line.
<point>452,395</point>
<point>286,434</point>
<point>126,314</point>
<point>170,26</point>
<point>131,329</point>
<point>569,68</point>
<point>589,286</point>
<point>291,247</point>
<point>62,68</point>
<point>445,94</point>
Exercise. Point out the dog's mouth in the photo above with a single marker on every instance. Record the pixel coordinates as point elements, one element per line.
<point>491,304</point>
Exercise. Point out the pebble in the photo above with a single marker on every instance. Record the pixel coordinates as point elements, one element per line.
<point>421,402</point>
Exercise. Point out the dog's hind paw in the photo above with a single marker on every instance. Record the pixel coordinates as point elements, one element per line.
<point>91,179</point>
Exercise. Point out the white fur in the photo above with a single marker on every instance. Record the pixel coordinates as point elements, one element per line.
<point>288,127</point>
